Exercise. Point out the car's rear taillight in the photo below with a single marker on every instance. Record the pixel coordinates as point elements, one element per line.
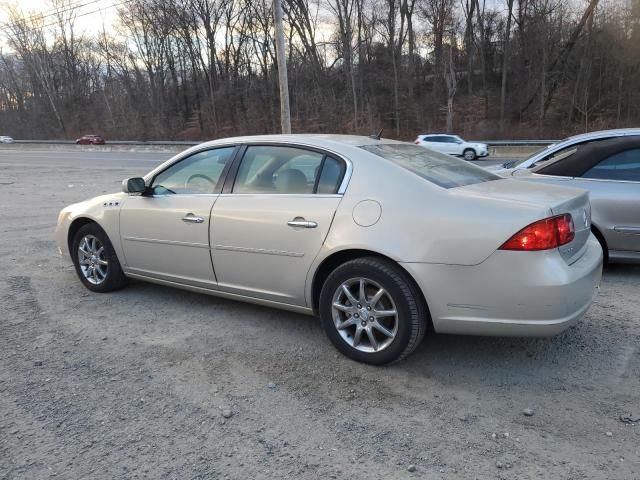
<point>542,235</point>
<point>417,142</point>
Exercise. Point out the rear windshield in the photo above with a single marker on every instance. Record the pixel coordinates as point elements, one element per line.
<point>443,170</point>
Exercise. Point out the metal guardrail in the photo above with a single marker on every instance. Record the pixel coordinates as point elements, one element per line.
<point>491,143</point>
<point>112,142</point>
<point>515,143</point>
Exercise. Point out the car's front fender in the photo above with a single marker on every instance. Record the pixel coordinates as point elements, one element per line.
<point>103,210</point>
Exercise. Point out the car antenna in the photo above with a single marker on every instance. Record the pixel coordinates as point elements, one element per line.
<point>378,136</point>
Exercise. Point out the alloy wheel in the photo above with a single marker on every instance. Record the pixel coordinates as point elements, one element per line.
<point>91,258</point>
<point>365,315</point>
<point>469,155</point>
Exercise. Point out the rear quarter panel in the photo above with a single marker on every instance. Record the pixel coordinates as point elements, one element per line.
<point>421,222</point>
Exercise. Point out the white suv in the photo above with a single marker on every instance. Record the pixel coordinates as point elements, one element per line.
<point>453,145</point>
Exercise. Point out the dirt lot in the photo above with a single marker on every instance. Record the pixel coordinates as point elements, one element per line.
<point>133,384</point>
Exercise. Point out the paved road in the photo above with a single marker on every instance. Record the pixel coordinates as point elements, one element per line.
<point>132,384</point>
<point>110,160</point>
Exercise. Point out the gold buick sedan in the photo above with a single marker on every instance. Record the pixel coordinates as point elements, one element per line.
<point>378,238</point>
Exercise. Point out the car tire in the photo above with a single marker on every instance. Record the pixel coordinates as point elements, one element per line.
<point>394,336</point>
<point>96,263</point>
<point>603,245</point>
<point>469,154</point>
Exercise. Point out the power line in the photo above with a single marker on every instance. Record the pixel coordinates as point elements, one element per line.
<point>54,13</point>
<point>9,25</point>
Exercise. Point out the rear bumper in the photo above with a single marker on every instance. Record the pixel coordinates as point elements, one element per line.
<point>511,293</point>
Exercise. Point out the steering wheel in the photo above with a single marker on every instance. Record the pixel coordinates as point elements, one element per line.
<point>199,186</point>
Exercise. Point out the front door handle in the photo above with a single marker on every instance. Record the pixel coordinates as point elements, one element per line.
<point>302,223</point>
<point>191,218</point>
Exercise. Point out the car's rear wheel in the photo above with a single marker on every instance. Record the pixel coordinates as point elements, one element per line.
<point>372,311</point>
<point>95,260</point>
<point>469,154</point>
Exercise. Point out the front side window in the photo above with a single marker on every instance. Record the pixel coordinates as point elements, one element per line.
<point>620,166</point>
<point>443,170</point>
<point>287,170</point>
<point>199,173</point>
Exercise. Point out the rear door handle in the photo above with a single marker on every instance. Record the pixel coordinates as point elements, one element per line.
<point>302,224</point>
<point>191,218</point>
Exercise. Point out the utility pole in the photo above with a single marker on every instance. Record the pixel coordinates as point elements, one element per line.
<point>281,53</point>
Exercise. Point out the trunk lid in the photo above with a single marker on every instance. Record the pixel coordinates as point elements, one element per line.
<point>551,200</point>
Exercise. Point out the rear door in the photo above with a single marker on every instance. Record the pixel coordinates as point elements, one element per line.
<point>437,143</point>
<point>269,225</point>
<point>450,145</point>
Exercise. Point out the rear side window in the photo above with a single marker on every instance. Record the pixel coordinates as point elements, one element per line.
<point>267,169</point>
<point>443,170</point>
<point>331,175</point>
<point>620,166</point>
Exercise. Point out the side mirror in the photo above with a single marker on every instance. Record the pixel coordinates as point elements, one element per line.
<point>134,185</point>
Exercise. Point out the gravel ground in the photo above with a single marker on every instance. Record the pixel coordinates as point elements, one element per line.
<point>151,382</point>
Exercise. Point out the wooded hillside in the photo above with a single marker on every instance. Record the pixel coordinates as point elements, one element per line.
<point>201,69</point>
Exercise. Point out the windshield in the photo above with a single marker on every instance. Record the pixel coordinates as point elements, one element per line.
<point>443,170</point>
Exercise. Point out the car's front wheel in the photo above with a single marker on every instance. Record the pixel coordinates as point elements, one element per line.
<point>95,260</point>
<point>469,154</point>
<point>372,311</point>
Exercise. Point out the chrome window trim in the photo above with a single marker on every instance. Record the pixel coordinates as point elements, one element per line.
<point>148,178</point>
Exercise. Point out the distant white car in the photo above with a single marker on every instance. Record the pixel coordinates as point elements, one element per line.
<point>453,145</point>
<point>4,139</point>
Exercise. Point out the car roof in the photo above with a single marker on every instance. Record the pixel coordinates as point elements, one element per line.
<point>439,134</point>
<point>313,140</point>
<point>605,133</point>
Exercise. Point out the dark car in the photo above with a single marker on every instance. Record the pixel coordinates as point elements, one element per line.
<point>90,140</point>
<point>610,170</point>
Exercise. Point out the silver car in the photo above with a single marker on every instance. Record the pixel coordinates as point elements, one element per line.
<point>607,164</point>
<point>377,237</point>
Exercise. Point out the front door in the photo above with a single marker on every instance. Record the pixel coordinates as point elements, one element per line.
<point>268,230</point>
<point>165,233</point>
